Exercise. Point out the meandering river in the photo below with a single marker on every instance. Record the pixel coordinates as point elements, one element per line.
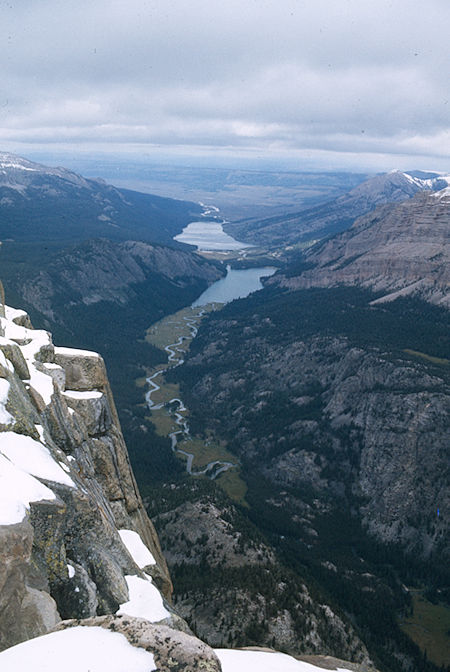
<point>175,358</point>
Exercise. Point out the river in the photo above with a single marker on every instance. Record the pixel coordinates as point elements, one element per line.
<point>177,408</point>
<point>207,236</point>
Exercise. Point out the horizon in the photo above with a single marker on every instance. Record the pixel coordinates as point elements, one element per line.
<point>316,87</point>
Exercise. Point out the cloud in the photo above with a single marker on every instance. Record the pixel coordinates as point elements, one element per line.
<point>270,75</point>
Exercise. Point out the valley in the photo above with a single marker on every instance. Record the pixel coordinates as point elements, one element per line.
<point>290,446</point>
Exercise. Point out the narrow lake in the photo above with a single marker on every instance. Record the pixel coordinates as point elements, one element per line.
<point>209,236</point>
<point>237,284</point>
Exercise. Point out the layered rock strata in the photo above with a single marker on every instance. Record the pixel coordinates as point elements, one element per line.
<point>397,250</point>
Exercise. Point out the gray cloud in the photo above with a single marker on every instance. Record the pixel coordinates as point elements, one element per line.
<point>273,76</point>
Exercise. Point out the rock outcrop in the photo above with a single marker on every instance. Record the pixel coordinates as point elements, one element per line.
<point>172,651</point>
<point>75,540</point>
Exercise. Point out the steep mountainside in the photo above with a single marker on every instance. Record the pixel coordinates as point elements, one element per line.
<point>76,543</point>
<point>40,203</point>
<point>336,215</point>
<point>103,271</point>
<point>397,250</point>
<point>338,410</point>
<point>103,295</point>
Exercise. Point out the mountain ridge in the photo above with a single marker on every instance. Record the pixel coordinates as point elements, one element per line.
<point>41,203</point>
<point>396,250</point>
<point>336,215</point>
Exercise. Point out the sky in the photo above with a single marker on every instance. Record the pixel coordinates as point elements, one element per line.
<point>319,83</point>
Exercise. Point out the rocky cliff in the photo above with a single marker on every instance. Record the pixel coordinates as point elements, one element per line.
<point>103,271</point>
<point>75,538</point>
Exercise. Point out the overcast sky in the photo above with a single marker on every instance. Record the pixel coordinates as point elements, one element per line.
<point>334,83</point>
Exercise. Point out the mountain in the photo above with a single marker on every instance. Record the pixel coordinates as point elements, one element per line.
<point>396,250</point>
<point>336,215</point>
<point>75,541</point>
<point>337,410</point>
<point>100,271</point>
<point>39,203</point>
<point>336,404</point>
<point>103,295</point>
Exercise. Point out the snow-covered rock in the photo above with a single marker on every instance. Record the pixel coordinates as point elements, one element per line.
<point>66,488</point>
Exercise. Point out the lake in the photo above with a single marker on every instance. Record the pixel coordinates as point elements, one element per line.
<point>237,284</point>
<point>209,236</point>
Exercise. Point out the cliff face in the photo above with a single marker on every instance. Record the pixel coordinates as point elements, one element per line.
<point>354,423</point>
<point>104,271</point>
<point>397,250</point>
<point>74,537</point>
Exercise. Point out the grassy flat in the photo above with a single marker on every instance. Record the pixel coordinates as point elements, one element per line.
<point>165,393</point>
<point>161,334</point>
<point>429,628</point>
<point>429,358</point>
<point>164,423</point>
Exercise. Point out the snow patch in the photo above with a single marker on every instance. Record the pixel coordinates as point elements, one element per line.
<point>443,194</point>
<point>90,394</point>
<point>5,417</point>
<point>145,600</point>
<point>32,457</point>
<point>79,649</point>
<point>17,490</point>
<point>31,341</point>
<point>136,548</point>
<point>13,313</point>
<point>233,660</point>
<point>40,431</point>
<point>74,351</point>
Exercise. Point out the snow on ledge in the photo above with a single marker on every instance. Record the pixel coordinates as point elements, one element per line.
<point>234,660</point>
<point>32,457</point>
<point>89,394</point>
<point>136,548</point>
<point>17,490</point>
<point>72,352</point>
<point>77,650</point>
<point>14,313</point>
<point>145,600</point>
<point>5,417</point>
